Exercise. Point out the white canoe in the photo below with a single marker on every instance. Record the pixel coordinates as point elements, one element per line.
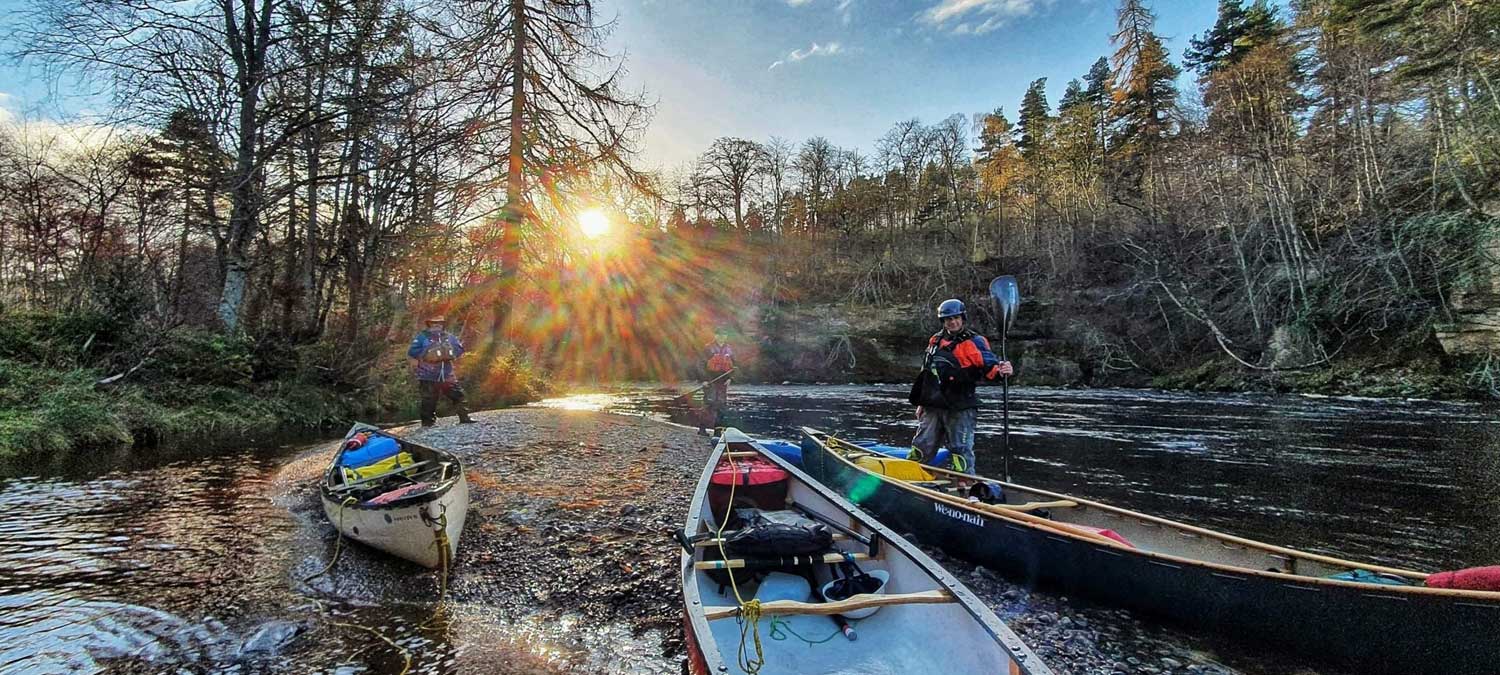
<point>927,621</point>
<point>414,524</point>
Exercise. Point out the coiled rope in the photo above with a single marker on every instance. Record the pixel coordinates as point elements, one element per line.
<point>749,610</point>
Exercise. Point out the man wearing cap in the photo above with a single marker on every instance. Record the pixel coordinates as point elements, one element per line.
<point>433,352</point>
<point>947,405</point>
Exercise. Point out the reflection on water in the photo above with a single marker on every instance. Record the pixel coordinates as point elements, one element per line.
<point>198,566</point>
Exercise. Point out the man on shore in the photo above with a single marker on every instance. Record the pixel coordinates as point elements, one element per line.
<point>433,352</point>
<point>957,359</point>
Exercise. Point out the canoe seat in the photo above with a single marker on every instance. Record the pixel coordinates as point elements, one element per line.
<point>861,601</point>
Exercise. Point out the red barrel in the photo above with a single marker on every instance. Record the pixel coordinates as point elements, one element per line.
<point>756,482</point>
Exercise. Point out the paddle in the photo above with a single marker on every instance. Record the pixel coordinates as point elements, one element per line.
<point>1007,296</point>
<point>689,394</point>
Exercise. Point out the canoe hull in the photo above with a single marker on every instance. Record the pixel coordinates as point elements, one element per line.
<point>410,527</point>
<point>1359,626</point>
<point>407,531</point>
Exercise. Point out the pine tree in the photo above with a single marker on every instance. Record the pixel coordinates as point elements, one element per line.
<point>1235,33</point>
<point>1031,132</point>
<point>1100,93</point>
<point>1145,95</point>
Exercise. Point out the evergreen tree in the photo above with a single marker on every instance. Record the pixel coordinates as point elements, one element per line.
<point>1235,33</point>
<point>1100,93</point>
<point>1072,97</point>
<point>1146,93</point>
<point>994,136</point>
<point>1031,132</point>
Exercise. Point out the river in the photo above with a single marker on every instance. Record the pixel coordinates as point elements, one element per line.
<point>191,563</point>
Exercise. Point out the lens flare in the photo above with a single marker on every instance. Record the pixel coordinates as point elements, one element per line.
<point>593,223</point>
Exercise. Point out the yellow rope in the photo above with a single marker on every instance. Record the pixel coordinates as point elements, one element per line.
<point>338,544</point>
<point>405,653</point>
<point>749,611</point>
<point>337,549</point>
<point>445,561</point>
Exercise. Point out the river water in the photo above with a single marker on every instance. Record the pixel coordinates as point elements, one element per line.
<point>183,563</point>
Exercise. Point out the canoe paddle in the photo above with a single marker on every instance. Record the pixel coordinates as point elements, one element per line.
<point>1007,296</point>
<point>689,394</point>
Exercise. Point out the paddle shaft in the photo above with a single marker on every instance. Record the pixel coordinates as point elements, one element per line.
<point>1007,297</point>
<point>1005,408</point>
<point>703,386</point>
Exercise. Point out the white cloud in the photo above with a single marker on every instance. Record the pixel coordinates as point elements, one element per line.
<point>797,3</point>
<point>959,16</point>
<point>816,49</point>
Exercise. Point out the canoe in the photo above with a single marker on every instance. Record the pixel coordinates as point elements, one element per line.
<point>1188,575</point>
<point>408,511</point>
<point>922,620</point>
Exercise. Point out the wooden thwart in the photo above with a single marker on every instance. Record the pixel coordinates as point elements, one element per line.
<point>707,543</point>
<point>739,562</point>
<point>861,601</point>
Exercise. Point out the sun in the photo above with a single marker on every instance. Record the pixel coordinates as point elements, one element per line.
<point>593,223</point>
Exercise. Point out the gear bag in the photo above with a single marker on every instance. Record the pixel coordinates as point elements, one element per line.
<point>776,534</point>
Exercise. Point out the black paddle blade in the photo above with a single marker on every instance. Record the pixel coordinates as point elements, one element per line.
<point>1007,297</point>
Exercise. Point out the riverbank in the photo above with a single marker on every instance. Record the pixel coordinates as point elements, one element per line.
<point>89,382</point>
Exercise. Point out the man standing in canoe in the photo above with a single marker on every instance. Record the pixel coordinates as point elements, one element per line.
<point>433,352</point>
<point>947,405</point>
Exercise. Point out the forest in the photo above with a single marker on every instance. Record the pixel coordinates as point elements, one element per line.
<point>1304,198</point>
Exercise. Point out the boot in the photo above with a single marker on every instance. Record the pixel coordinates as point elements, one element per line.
<point>428,423</point>
<point>463,417</point>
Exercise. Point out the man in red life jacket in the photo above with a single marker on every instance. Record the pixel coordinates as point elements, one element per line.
<point>433,352</point>
<point>957,359</point>
<point>720,361</point>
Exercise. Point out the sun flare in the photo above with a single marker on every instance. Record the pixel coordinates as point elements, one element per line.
<point>593,223</point>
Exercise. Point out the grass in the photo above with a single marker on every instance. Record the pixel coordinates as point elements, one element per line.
<point>199,387</point>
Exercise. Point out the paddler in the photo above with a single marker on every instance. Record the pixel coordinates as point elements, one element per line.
<point>957,359</point>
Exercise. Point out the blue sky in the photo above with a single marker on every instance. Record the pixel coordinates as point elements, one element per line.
<point>850,69</point>
<point>843,69</point>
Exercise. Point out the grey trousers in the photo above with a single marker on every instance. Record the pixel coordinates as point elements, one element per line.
<point>953,429</point>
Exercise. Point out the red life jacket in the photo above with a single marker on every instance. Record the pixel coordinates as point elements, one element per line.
<point>720,358</point>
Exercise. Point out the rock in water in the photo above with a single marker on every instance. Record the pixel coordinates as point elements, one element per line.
<point>270,638</point>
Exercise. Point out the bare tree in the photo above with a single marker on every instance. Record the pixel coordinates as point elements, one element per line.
<point>726,173</point>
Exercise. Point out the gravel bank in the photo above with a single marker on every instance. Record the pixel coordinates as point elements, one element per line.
<point>567,545</point>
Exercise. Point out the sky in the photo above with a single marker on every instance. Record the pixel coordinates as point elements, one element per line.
<point>847,70</point>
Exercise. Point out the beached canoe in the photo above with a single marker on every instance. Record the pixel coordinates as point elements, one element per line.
<point>1363,617</point>
<point>410,503</point>
<point>920,619</point>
